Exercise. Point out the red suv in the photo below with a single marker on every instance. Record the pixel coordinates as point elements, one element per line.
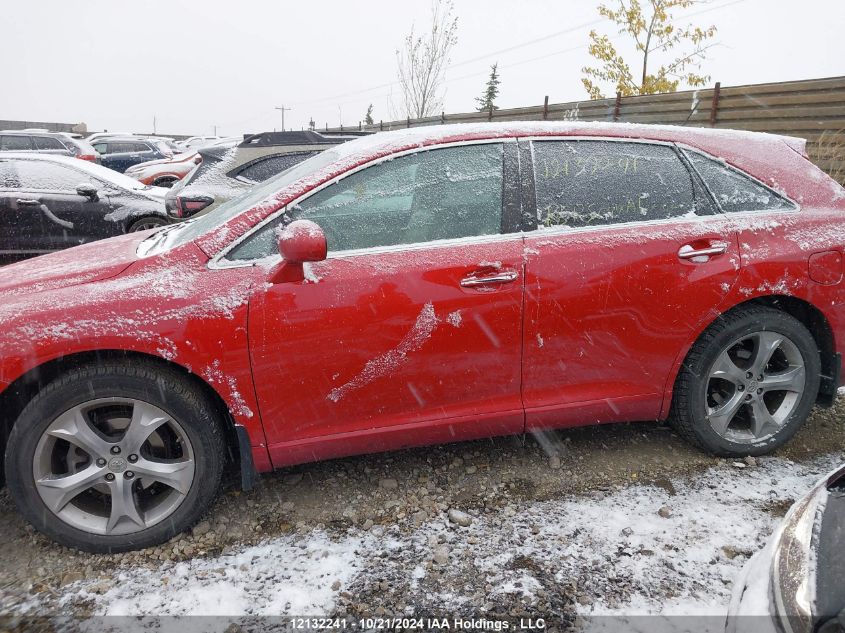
<point>422,286</point>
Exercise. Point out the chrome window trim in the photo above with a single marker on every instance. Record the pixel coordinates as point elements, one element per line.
<point>219,261</point>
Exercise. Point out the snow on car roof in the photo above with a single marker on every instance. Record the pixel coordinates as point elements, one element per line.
<point>438,133</point>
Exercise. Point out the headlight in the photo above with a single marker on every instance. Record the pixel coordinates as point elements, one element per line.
<point>793,576</point>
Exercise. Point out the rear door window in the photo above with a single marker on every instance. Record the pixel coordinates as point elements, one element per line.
<point>15,143</point>
<point>438,194</point>
<point>593,183</point>
<point>48,142</point>
<point>47,176</point>
<point>735,191</point>
<point>8,176</point>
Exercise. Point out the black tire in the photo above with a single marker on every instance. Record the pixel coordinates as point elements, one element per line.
<point>149,222</point>
<point>158,385</point>
<point>688,414</point>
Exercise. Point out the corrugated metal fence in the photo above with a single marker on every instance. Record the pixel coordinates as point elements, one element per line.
<point>813,109</point>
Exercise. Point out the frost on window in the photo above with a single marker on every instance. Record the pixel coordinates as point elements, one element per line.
<point>437,194</point>
<point>45,176</point>
<point>262,169</point>
<point>733,190</point>
<point>591,183</point>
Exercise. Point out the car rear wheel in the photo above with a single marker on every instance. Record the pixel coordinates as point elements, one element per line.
<point>115,457</point>
<point>748,383</point>
<point>143,224</point>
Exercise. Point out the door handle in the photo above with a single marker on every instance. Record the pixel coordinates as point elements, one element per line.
<point>505,277</point>
<point>688,252</point>
<point>24,202</point>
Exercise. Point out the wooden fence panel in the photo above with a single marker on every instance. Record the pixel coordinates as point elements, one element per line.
<point>813,109</point>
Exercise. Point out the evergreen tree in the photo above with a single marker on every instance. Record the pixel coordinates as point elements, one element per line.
<point>486,102</point>
<point>368,118</point>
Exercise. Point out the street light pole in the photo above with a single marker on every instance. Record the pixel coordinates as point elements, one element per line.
<point>283,108</point>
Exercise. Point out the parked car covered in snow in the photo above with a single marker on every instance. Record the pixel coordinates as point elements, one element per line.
<point>122,152</point>
<point>43,142</point>
<point>165,172</point>
<point>49,203</point>
<point>230,168</point>
<point>421,286</point>
<point>195,142</point>
<point>797,582</point>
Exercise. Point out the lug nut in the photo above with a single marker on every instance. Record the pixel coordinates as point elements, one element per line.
<point>749,375</point>
<point>133,458</point>
<point>129,474</point>
<point>740,387</point>
<point>109,476</point>
<point>760,377</point>
<point>101,462</point>
<point>115,450</point>
<point>748,396</point>
<point>759,391</point>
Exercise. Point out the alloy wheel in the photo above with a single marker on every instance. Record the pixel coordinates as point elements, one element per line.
<point>753,387</point>
<point>113,466</point>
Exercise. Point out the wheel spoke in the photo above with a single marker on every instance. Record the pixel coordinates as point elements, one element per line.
<point>145,420</point>
<point>179,475</point>
<point>763,423</point>
<point>123,504</point>
<point>790,380</point>
<point>766,345</point>
<point>57,492</point>
<point>725,369</point>
<point>721,417</point>
<point>73,427</point>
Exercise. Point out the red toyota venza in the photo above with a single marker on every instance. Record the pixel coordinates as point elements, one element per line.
<point>424,286</point>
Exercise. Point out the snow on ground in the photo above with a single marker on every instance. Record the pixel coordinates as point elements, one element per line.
<point>670,549</point>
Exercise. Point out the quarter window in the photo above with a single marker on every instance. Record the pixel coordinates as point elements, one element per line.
<point>431,195</point>
<point>592,183</point>
<point>733,190</point>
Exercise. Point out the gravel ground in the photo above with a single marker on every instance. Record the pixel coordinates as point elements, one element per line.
<point>612,519</point>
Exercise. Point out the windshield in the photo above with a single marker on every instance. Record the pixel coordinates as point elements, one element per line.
<point>192,229</point>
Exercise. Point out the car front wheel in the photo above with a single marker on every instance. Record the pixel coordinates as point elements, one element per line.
<point>115,457</point>
<point>748,383</point>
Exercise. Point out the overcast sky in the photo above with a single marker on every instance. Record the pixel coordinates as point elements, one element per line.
<point>193,64</point>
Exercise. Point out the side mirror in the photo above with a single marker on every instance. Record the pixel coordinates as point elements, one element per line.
<point>87,190</point>
<point>300,242</point>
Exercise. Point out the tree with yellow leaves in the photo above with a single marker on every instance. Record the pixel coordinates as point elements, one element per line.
<point>653,32</point>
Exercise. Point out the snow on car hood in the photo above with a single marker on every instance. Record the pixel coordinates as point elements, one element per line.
<point>71,267</point>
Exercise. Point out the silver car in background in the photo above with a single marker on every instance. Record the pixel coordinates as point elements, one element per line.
<point>796,584</point>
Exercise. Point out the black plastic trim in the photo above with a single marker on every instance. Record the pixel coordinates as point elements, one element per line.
<point>248,474</point>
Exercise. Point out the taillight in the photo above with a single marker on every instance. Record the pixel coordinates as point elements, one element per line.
<point>186,207</point>
<point>91,157</point>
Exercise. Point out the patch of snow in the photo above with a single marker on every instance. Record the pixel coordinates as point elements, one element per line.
<point>606,544</point>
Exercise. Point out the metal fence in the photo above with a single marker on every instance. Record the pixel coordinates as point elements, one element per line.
<point>813,109</point>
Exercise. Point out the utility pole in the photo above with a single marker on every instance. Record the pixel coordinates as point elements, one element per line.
<point>283,109</point>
